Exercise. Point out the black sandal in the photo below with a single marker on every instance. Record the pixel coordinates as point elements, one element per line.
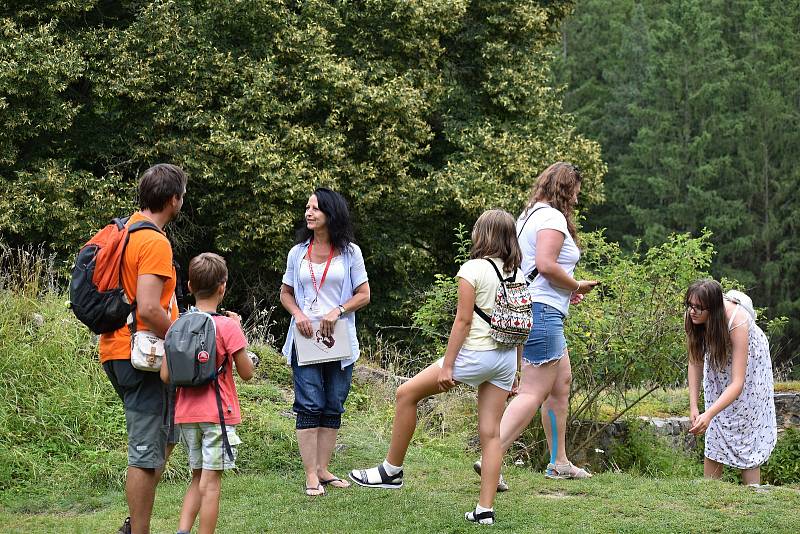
<point>483,518</point>
<point>332,483</point>
<point>387,482</point>
<point>319,487</point>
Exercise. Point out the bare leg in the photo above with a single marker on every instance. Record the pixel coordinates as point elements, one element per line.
<point>712,469</point>
<point>558,402</point>
<point>326,442</point>
<point>536,384</point>
<point>170,447</point>
<point>424,384</point>
<point>491,401</point>
<point>307,442</point>
<point>140,490</point>
<point>210,490</point>
<point>751,476</point>
<point>191,503</point>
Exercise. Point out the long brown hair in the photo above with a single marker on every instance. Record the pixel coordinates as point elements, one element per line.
<point>495,236</point>
<point>712,336</point>
<point>556,186</point>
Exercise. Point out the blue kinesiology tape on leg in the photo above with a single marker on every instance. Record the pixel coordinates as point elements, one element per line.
<point>554,429</point>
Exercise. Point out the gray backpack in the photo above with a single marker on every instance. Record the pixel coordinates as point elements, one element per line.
<point>191,348</point>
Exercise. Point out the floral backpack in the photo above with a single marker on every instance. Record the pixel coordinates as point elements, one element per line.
<point>511,319</point>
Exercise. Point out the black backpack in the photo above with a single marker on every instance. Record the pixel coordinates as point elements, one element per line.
<point>191,348</point>
<point>96,296</point>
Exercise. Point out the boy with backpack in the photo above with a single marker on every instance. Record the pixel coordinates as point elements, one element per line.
<point>207,405</point>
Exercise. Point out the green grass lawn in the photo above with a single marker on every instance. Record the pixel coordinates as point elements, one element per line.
<point>440,487</point>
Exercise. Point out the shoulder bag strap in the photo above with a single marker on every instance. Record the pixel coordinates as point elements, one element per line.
<point>535,272</point>
<point>521,228</point>
<point>226,445</point>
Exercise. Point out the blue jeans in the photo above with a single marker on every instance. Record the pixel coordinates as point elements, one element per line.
<point>320,391</point>
<point>546,342</point>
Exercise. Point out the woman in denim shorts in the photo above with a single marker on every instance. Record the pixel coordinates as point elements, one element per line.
<point>547,238</point>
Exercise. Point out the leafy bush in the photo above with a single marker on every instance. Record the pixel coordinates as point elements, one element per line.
<point>625,337</point>
<point>783,466</point>
<point>643,452</point>
<point>421,113</point>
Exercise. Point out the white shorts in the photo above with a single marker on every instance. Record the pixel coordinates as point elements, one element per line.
<point>474,367</point>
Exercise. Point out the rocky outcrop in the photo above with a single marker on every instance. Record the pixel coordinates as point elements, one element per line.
<point>787,410</point>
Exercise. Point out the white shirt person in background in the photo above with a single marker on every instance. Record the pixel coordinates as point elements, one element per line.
<point>547,238</point>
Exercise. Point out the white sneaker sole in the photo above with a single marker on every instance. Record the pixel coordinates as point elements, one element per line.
<point>368,485</point>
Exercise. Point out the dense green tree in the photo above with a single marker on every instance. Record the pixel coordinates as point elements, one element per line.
<point>696,105</point>
<point>422,113</point>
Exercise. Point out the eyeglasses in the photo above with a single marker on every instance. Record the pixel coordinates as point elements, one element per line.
<point>696,308</point>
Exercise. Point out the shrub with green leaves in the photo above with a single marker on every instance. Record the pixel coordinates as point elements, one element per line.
<point>643,452</point>
<point>625,339</point>
<point>626,336</point>
<point>783,466</point>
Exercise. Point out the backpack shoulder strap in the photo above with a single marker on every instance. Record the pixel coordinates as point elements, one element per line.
<point>135,227</point>
<point>479,311</point>
<point>482,314</point>
<point>226,445</point>
<point>499,274</point>
<point>143,225</point>
<point>496,270</point>
<point>120,222</point>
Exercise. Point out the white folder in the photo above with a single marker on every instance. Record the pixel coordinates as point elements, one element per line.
<point>319,348</point>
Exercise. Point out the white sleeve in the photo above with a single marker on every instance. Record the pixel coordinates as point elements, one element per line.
<point>551,219</point>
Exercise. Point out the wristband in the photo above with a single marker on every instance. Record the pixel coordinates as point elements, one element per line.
<point>577,288</point>
<point>341,309</point>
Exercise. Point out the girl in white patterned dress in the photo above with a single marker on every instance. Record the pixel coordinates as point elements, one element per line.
<point>731,354</point>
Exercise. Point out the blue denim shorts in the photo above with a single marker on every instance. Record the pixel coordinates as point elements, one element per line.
<point>320,391</point>
<point>546,342</point>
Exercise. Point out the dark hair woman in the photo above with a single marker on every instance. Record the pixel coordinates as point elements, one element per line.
<point>325,282</point>
<point>730,353</point>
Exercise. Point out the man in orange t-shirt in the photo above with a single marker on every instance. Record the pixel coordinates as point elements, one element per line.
<point>149,278</point>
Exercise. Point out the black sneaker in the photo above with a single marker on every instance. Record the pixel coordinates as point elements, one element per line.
<point>359,476</point>
<point>126,527</point>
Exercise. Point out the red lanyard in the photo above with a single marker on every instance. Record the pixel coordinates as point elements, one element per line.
<point>324,273</point>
